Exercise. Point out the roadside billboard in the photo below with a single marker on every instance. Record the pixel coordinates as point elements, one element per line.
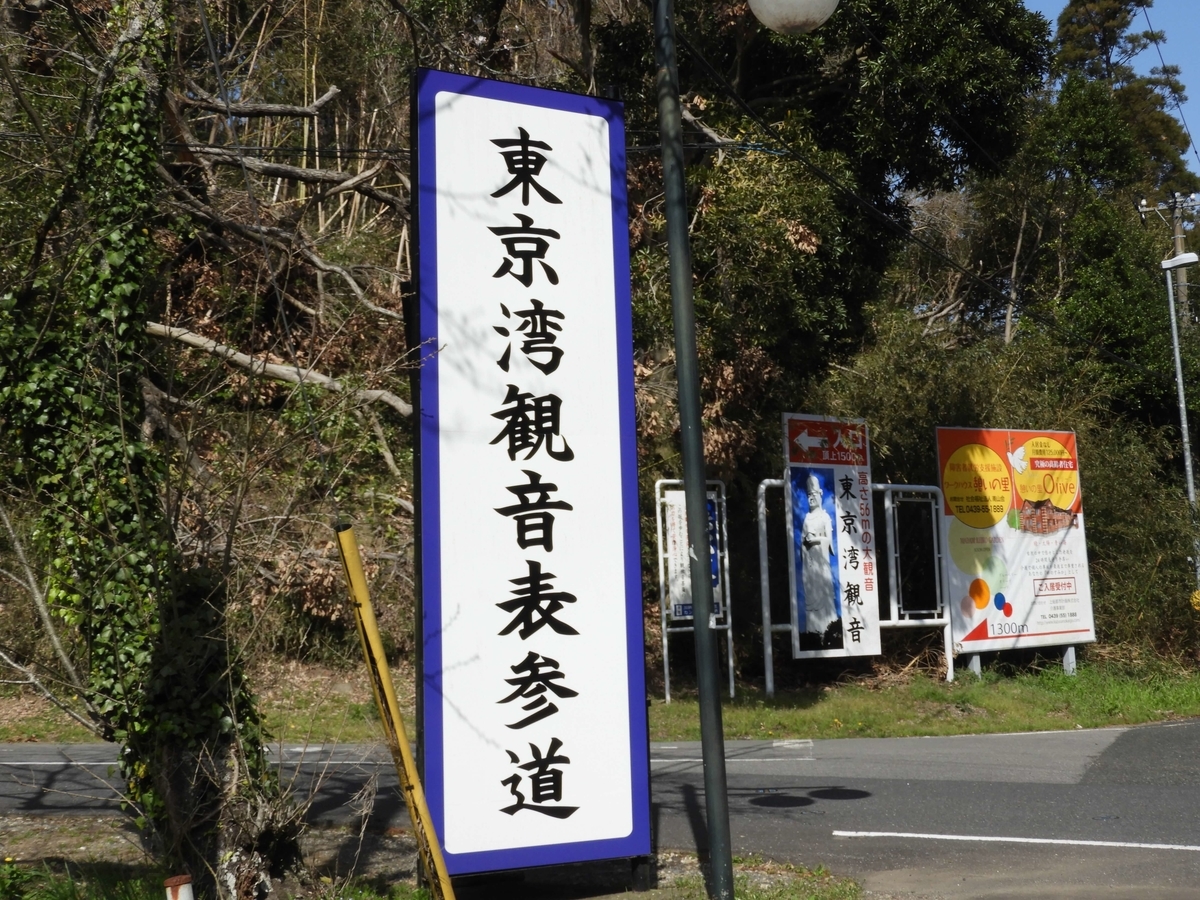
<point>1014,532</point>
<point>532,679</point>
<point>832,567</point>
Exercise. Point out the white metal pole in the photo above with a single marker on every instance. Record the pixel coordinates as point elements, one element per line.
<point>1183,427</point>
<point>889,521</point>
<point>663,591</point>
<point>768,632</point>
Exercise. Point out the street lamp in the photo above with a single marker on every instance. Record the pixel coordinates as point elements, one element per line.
<point>790,17</point>
<point>1169,266</point>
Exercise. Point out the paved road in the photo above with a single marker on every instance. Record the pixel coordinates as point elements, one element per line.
<point>1106,813</point>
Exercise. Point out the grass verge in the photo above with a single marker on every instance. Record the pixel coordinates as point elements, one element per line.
<point>754,879</point>
<point>1101,694</point>
<point>320,705</point>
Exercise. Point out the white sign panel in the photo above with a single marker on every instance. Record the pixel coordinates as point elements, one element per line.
<point>534,701</point>
<point>833,567</point>
<point>1018,568</point>
<point>679,572</point>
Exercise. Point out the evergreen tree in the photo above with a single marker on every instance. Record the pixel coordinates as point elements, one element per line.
<point>1097,38</point>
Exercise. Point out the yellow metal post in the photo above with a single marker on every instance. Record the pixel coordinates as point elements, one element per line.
<point>389,712</point>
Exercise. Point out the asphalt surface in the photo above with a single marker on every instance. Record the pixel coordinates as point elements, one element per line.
<point>1101,813</point>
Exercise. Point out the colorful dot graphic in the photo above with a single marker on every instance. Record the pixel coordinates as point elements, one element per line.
<point>980,594</point>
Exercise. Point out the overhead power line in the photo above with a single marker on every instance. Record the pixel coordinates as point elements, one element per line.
<point>1178,105</point>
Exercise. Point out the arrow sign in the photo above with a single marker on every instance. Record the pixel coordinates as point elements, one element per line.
<point>807,443</point>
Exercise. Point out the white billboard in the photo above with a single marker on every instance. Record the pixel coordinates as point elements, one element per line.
<point>1014,532</point>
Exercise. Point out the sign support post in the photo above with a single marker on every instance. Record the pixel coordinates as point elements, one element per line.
<point>429,851</point>
<point>687,371</point>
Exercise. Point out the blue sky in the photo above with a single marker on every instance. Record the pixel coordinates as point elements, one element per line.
<point>1180,19</point>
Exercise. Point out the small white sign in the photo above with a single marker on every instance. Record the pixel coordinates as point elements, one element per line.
<point>679,571</point>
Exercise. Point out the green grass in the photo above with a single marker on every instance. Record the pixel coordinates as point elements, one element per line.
<point>95,882</point>
<point>45,724</point>
<point>320,720</point>
<point>1099,695</point>
<point>1103,693</point>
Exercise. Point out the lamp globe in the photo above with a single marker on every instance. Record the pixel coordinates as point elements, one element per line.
<point>793,16</point>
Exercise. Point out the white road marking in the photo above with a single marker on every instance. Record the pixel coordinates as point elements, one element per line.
<point>987,839</point>
<point>61,762</point>
<point>735,759</point>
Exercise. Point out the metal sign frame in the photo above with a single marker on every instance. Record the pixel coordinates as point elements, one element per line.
<point>722,621</point>
<point>901,618</point>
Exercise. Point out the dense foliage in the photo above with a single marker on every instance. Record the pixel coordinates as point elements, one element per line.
<point>923,214</point>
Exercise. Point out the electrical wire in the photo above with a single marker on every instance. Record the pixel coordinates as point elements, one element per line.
<point>1178,105</point>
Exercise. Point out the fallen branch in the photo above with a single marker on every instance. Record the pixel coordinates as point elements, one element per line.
<point>290,374</point>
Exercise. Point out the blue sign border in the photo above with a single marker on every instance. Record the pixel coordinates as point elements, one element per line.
<point>429,83</point>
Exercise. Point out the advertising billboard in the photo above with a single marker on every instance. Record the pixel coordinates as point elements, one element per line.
<point>1014,532</point>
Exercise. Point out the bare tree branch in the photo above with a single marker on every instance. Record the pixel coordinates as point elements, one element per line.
<point>34,682</point>
<point>384,450</point>
<point>34,119</point>
<point>290,374</point>
<point>281,239</point>
<point>154,398</point>
<point>203,100</point>
<point>341,180</point>
<point>38,595</point>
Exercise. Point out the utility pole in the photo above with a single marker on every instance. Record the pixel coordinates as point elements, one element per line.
<point>1177,205</point>
<point>1180,273</point>
<point>1174,266</point>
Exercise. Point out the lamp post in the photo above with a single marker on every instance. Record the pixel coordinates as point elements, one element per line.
<point>791,17</point>
<point>1169,266</point>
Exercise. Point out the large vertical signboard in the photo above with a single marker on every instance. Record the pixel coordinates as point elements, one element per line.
<point>534,701</point>
<point>833,568</point>
<point>1014,534</point>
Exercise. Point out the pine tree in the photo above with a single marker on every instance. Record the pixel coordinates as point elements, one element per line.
<point>1096,38</point>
